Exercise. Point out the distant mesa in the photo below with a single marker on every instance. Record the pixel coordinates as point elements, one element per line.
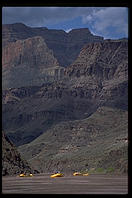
<point>65,46</point>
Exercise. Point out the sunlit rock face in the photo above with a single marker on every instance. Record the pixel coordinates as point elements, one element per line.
<point>65,46</point>
<point>29,62</point>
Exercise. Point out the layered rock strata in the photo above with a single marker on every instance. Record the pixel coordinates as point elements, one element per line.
<point>65,46</point>
<point>29,62</point>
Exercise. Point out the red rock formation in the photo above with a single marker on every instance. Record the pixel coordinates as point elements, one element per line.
<point>28,62</point>
<point>32,51</point>
<point>103,60</point>
<point>65,46</point>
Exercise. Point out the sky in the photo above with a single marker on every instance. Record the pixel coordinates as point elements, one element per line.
<point>109,22</point>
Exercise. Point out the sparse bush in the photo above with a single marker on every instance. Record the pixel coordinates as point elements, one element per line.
<point>92,170</point>
<point>100,170</point>
<point>110,170</point>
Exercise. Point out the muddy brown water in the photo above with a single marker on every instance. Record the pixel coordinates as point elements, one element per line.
<point>43,184</point>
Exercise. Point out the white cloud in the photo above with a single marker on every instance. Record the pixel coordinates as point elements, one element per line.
<point>105,20</point>
<point>87,19</point>
<point>42,15</point>
<point>100,20</point>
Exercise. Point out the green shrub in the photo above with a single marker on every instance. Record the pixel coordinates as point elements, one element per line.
<point>110,170</point>
<point>92,170</point>
<point>100,170</point>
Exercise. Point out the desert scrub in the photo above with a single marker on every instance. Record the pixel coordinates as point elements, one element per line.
<point>100,170</point>
<point>110,170</point>
<point>92,170</point>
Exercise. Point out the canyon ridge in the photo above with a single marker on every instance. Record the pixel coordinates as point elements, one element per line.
<point>65,98</point>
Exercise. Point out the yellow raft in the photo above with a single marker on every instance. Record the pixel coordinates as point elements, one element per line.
<point>77,174</point>
<point>23,175</point>
<point>57,175</point>
<point>85,174</point>
<point>80,174</point>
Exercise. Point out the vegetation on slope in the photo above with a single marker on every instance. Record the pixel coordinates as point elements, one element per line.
<point>99,141</point>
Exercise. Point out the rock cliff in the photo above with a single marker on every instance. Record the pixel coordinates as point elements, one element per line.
<point>28,62</point>
<point>103,61</point>
<point>12,162</point>
<point>41,99</point>
<point>31,111</point>
<point>65,46</point>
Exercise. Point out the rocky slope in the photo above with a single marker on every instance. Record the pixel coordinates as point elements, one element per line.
<point>28,62</point>
<point>12,162</point>
<point>99,141</point>
<point>65,46</point>
<point>57,116</point>
<point>103,61</point>
<point>107,64</point>
<point>31,111</point>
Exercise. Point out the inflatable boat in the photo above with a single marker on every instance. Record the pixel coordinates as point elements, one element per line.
<point>21,175</point>
<point>85,174</point>
<point>24,175</point>
<point>80,174</point>
<point>57,175</point>
<point>77,174</point>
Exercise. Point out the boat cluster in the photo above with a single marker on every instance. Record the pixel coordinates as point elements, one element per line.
<point>58,174</point>
<point>26,175</point>
<point>74,174</point>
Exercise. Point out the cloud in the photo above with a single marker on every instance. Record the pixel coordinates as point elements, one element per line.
<point>103,21</point>
<point>40,16</point>
<point>108,19</point>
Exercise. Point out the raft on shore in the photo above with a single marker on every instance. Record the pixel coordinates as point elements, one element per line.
<point>57,175</point>
<point>80,174</point>
<point>25,175</point>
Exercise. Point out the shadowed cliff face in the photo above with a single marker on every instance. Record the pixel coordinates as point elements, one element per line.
<point>65,46</point>
<point>91,81</point>
<point>12,162</point>
<point>28,112</point>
